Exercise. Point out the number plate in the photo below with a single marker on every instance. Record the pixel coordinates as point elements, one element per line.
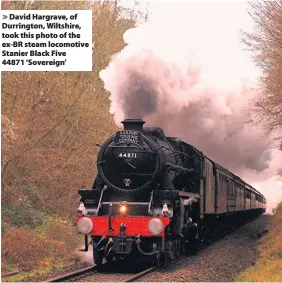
<point>127,155</point>
<point>128,136</point>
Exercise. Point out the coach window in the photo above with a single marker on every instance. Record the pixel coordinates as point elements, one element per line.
<point>243,191</point>
<point>232,187</point>
<point>225,185</point>
<point>207,175</point>
<point>221,184</point>
<point>218,183</point>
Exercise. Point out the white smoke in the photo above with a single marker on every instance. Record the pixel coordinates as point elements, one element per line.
<point>186,71</point>
<point>86,256</point>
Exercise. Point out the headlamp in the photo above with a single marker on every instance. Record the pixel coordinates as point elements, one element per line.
<point>155,226</point>
<point>85,226</point>
<point>123,207</point>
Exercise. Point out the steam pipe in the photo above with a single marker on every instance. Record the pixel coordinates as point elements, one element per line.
<point>178,168</point>
<point>101,242</point>
<point>138,241</point>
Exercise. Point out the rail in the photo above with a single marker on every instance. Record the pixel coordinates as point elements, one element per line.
<point>72,274</point>
<point>94,267</point>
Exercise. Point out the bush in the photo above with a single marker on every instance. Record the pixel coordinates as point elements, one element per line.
<point>21,216</point>
<point>30,249</point>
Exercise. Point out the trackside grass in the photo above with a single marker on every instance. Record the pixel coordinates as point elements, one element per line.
<point>268,268</point>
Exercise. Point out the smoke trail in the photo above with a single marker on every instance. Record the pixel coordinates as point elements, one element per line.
<point>196,83</point>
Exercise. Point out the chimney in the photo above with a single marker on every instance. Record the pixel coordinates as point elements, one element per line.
<point>133,124</point>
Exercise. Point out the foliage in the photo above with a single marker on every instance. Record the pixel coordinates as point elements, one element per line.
<point>51,122</point>
<point>26,249</point>
<point>269,266</point>
<point>266,45</point>
<point>21,216</point>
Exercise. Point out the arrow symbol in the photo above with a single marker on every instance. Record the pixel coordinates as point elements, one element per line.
<point>4,17</point>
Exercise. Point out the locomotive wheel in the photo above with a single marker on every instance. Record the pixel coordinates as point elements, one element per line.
<point>178,247</point>
<point>208,238</point>
<point>110,258</point>
<point>193,247</point>
<point>157,260</point>
<point>184,248</point>
<point>173,248</point>
<point>98,256</point>
<point>165,258</point>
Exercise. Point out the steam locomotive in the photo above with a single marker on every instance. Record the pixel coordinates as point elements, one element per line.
<point>158,197</point>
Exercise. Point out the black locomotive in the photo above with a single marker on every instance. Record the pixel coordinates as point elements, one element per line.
<point>158,196</point>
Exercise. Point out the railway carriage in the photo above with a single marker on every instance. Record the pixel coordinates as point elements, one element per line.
<point>157,196</point>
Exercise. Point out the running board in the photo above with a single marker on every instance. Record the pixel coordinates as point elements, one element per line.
<point>187,194</point>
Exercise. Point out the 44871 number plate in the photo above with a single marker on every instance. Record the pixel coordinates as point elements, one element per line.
<point>127,155</point>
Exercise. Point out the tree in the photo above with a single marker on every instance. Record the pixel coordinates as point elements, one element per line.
<point>266,45</point>
<point>52,120</point>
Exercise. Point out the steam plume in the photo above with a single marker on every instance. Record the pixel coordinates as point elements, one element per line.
<point>197,84</point>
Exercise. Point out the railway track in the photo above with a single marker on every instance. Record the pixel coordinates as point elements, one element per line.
<point>93,273</point>
<point>110,272</point>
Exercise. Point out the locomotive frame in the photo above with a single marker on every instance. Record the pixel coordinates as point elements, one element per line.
<point>185,199</point>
